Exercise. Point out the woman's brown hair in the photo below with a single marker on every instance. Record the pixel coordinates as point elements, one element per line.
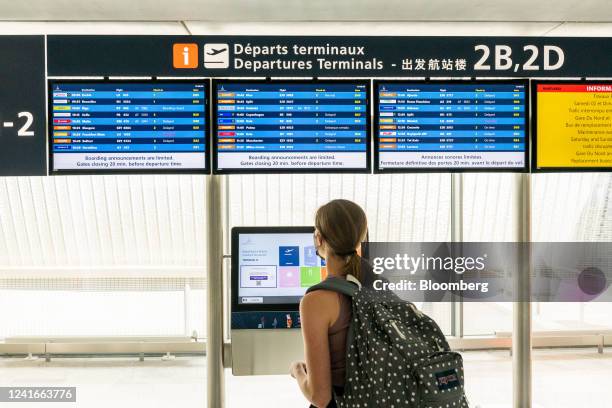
<point>343,225</point>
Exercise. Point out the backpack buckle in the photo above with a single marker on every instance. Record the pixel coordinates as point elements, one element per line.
<point>354,280</point>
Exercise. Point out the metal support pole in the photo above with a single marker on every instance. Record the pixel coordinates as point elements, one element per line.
<point>521,334</point>
<point>457,236</point>
<point>214,313</point>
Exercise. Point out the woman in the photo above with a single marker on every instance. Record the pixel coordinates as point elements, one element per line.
<point>340,227</point>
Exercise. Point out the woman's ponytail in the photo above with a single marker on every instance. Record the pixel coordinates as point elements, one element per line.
<point>353,266</point>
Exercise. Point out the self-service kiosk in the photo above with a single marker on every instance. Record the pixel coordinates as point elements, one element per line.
<point>271,269</point>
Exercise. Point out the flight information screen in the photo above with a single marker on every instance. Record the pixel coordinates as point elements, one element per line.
<point>127,126</point>
<point>573,127</point>
<point>268,126</point>
<point>451,126</point>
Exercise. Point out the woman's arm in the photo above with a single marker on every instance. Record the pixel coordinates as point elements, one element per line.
<point>314,377</point>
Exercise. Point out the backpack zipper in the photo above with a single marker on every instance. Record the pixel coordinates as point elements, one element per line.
<point>415,310</point>
<point>399,333</point>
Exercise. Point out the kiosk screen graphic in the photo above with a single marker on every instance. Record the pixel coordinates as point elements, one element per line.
<point>274,266</point>
<point>268,126</point>
<point>127,126</point>
<point>573,126</point>
<point>440,126</point>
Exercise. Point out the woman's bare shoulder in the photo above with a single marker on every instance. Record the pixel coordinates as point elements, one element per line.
<point>319,301</point>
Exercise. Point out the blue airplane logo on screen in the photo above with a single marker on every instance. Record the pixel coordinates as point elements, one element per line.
<point>289,255</point>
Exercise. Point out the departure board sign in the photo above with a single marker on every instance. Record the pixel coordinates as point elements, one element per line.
<point>291,126</point>
<point>451,126</point>
<point>573,126</point>
<point>126,126</point>
<point>325,56</point>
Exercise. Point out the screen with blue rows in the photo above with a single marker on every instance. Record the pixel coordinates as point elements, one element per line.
<point>284,126</point>
<point>423,126</point>
<point>120,126</point>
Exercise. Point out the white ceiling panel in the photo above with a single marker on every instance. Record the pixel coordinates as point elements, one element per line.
<point>582,30</point>
<point>90,27</point>
<point>312,10</point>
<point>371,28</point>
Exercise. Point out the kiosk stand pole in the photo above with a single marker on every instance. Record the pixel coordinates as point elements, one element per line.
<point>521,334</point>
<point>215,384</point>
<point>457,236</point>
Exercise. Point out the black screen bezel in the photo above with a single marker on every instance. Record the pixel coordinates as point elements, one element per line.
<point>207,99</point>
<point>235,268</point>
<point>368,113</point>
<point>517,81</point>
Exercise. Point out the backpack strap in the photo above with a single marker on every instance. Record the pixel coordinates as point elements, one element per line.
<point>349,286</point>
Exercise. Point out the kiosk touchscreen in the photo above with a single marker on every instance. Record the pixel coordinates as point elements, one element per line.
<point>127,126</point>
<point>451,126</point>
<point>291,126</point>
<point>271,269</point>
<point>572,126</point>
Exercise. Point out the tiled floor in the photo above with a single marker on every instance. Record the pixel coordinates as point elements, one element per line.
<point>563,378</point>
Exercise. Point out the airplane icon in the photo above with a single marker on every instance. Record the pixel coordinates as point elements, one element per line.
<point>216,56</point>
<point>216,51</point>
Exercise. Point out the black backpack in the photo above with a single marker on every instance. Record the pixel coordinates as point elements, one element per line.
<point>396,356</point>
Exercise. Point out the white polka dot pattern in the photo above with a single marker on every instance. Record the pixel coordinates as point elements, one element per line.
<point>397,357</point>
